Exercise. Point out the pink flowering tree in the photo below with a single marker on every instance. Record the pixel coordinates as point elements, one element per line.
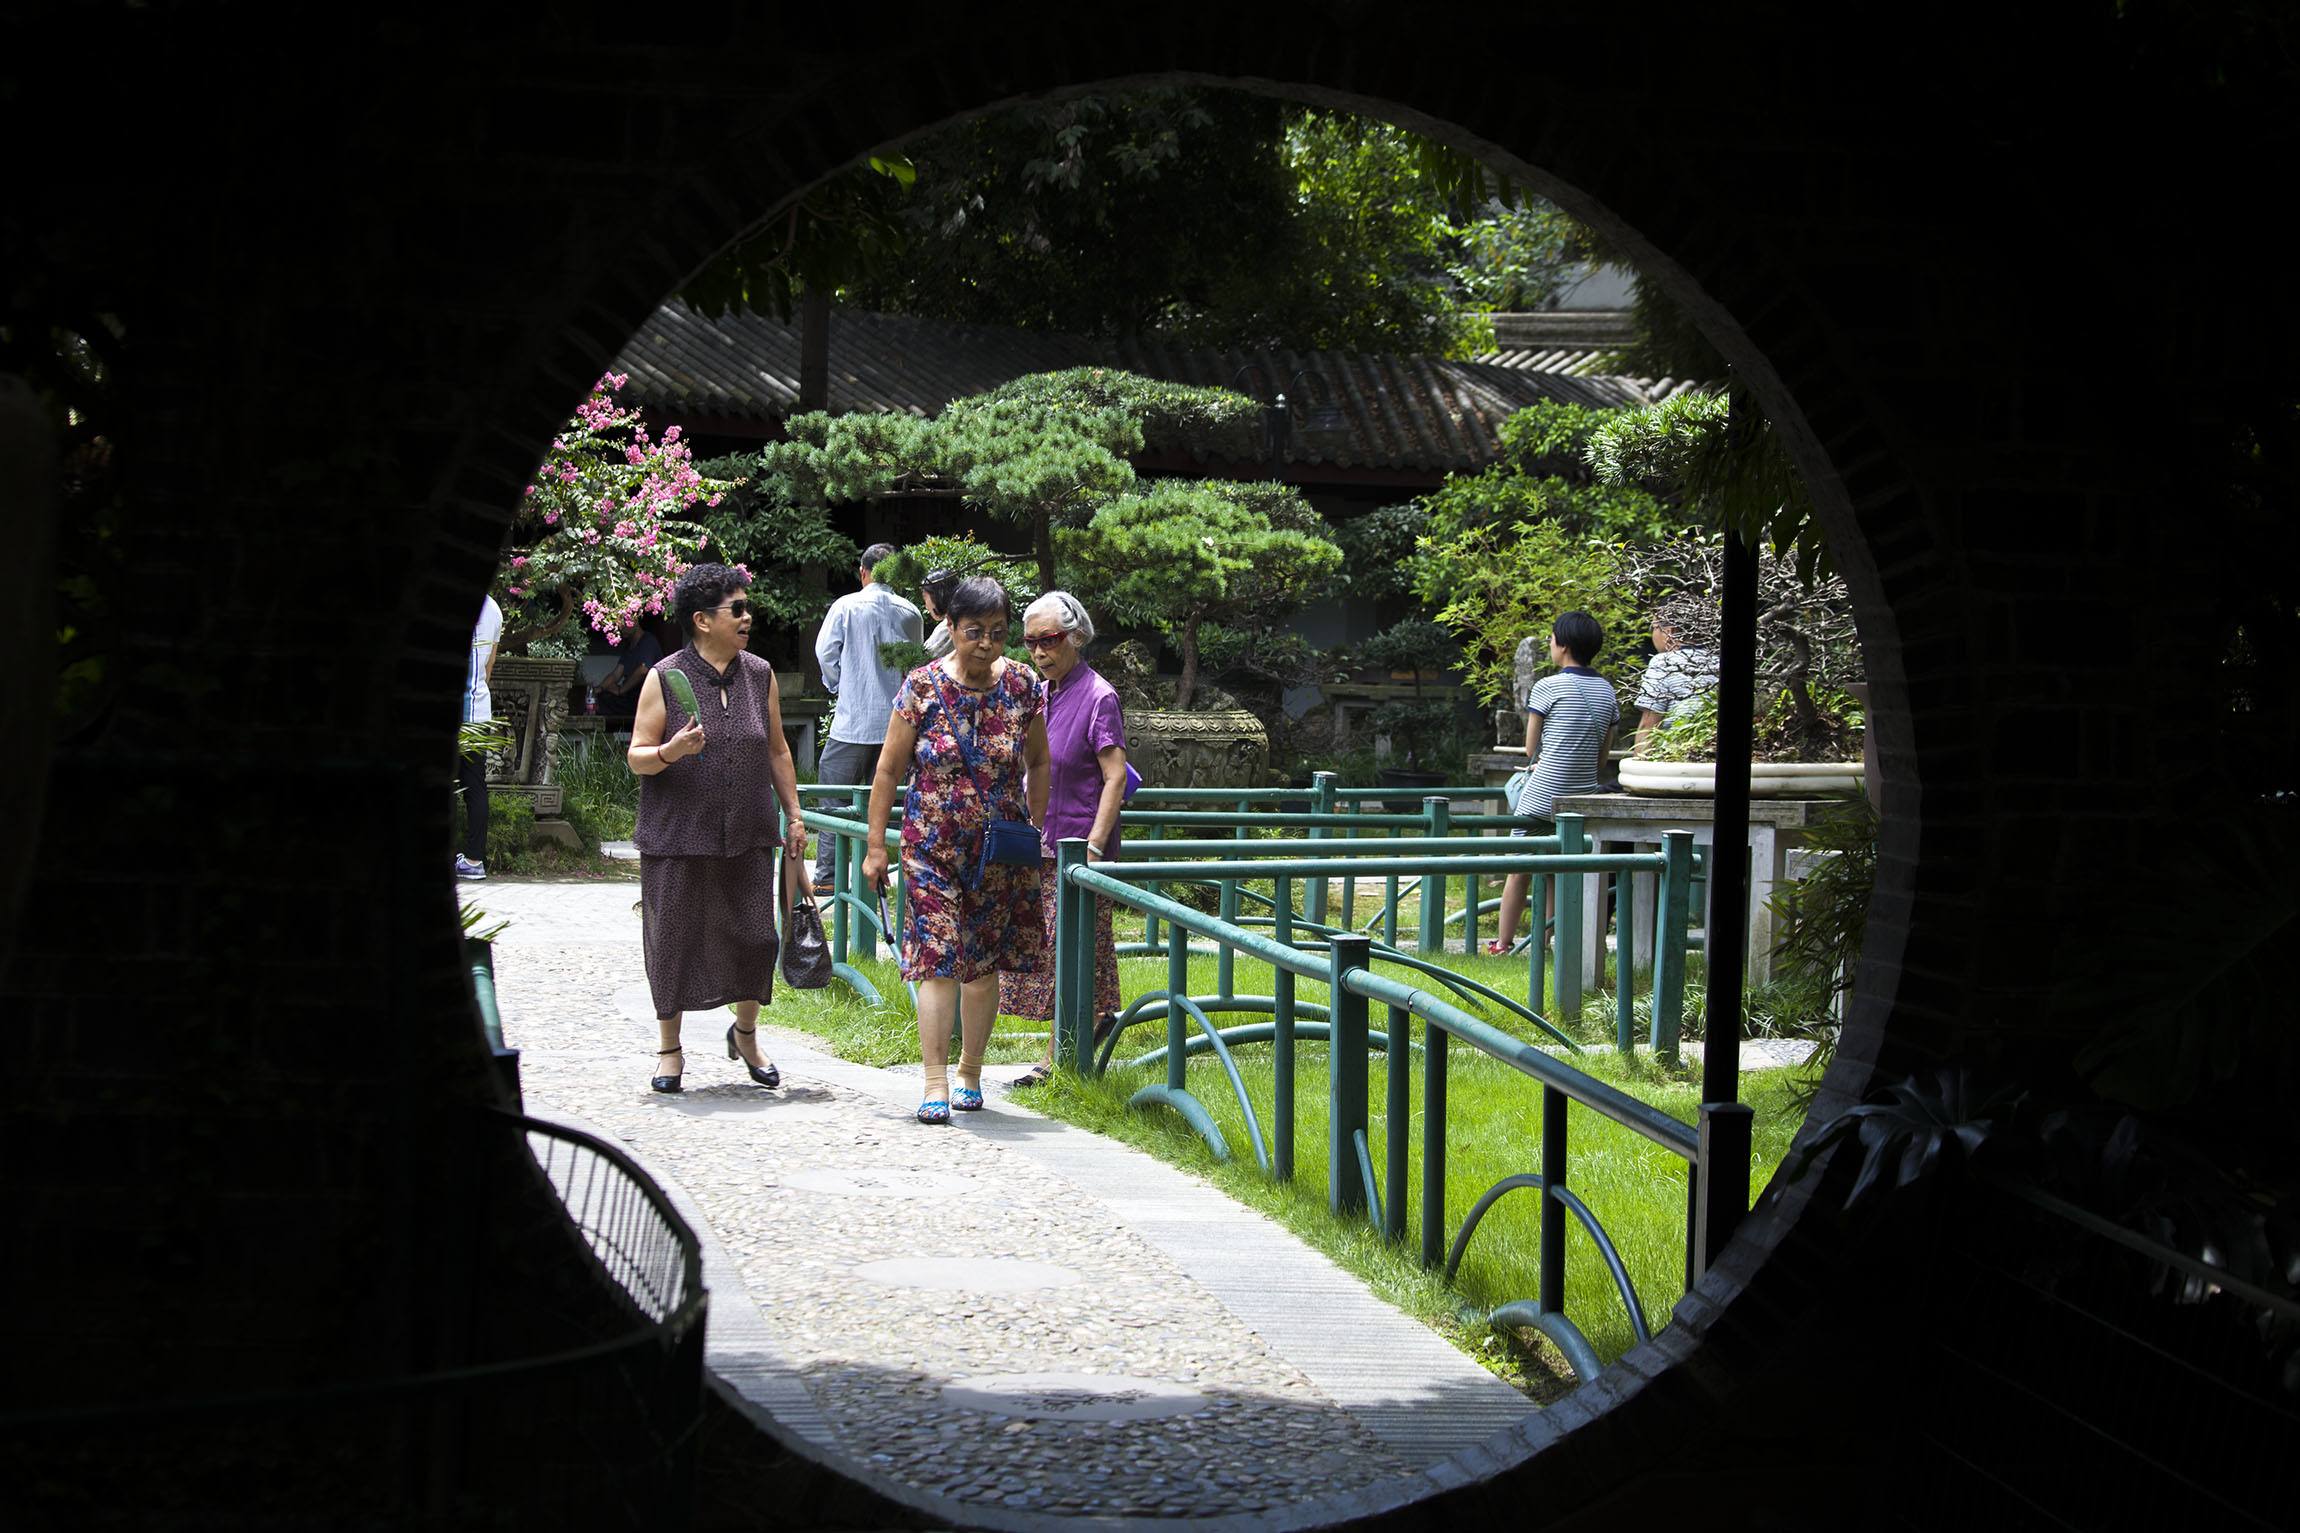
<point>603,532</point>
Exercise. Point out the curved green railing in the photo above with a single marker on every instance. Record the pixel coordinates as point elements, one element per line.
<point>1354,1187</point>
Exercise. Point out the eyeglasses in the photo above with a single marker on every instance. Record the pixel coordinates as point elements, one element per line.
<point>735,608</point>
<point>1042,640</point>
<point>976,635</point>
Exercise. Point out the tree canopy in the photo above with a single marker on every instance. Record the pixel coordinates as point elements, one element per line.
<point>1044,450</point>
<point>1207,217</point>
<point>1186,553</point>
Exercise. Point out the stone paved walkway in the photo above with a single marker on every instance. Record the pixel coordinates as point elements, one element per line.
<point>1008,1311</point>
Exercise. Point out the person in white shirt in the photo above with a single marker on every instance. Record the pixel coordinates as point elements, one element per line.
<point>471,768</point>
<point>1678,673</point>
<point>847,649</point>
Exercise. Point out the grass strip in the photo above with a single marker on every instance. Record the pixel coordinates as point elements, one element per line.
<point>1636,1189</point>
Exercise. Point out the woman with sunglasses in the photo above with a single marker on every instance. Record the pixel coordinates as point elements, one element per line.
<point>970,733</point>
<point>1086,786</point>
<point>712,763</point>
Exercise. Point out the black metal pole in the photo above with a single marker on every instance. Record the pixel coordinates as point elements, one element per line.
<point>1723,1195</point>
<point>1728,925</point>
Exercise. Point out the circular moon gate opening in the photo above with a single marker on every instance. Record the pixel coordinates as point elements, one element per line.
<point>1677,284</point>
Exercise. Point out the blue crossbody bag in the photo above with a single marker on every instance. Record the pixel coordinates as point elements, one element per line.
<point>1008,841</point>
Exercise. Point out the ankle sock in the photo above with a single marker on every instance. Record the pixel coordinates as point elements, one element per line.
<point>937,1085</point>
<point>970,1073</point>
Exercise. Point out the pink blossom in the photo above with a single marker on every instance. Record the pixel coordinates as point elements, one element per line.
<point>519,561</point>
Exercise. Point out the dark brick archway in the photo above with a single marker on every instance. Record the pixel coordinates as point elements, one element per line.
<point>358,295</point>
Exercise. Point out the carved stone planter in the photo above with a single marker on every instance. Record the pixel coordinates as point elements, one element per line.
<point>1222,749</point>
<point>1767,779</point>
<point>531,699</point>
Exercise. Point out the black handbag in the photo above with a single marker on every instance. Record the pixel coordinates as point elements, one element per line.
<point>806,952</point>
<point>1007,841</point>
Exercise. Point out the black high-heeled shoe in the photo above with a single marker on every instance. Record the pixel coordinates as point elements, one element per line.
<point>770,1077</point>
<point>667,1083</point>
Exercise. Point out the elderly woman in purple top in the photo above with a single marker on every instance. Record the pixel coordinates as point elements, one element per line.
<point>1086,771</point>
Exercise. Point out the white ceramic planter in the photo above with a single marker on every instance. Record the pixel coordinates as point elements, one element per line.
<point>1767,779</point>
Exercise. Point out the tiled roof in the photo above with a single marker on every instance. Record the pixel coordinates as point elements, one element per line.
<point>1403,412</point>
<point>1572,343</point>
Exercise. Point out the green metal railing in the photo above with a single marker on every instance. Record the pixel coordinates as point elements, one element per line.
<point>1344,962</point>
<point>852,915</point>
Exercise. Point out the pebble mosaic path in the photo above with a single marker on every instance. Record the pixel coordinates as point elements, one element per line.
<point>1009,1312</point>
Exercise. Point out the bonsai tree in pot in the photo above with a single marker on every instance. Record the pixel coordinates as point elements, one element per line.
<point>1732,469</point>
<point>1425,748</point>
<point>1809,734</point>
<point>1191,558</point>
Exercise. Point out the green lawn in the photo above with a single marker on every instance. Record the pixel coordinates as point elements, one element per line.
<point>1634,1187</point>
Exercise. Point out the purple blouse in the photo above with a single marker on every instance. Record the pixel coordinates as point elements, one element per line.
<point>1083,719</point>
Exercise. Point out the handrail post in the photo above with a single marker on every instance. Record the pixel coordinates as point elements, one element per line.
<point>1397,1062</point>
<point>1073,960</point>
<point>1565,951</point>
<point>858,847</point>
<point>1346,1075</point>
<point>1177,1020</point>
<point>1390,904</point>
<point>1226,959</point>
<point>1675,900</point>
<point>1150,922</point>
<point>1350,880</point>
<point>1438,813</point>
<point>1321,803</point>
<point>1282,1037</point>
<point>843,868</point>
<point>1433,1144</point>
<point>1726,1131</point>
<point>1552,1290</point>
<point>1625,963</point>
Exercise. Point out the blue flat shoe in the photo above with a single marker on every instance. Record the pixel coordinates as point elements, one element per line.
<point>966,1099</point>
<point>934,1112</point>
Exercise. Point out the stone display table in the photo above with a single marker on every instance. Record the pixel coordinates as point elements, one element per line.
<point>1629,822</point>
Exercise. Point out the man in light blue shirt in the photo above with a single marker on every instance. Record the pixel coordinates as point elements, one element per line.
<point>847,649</point>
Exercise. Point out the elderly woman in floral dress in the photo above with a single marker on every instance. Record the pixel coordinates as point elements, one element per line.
<point>1086,786</point>
<point>969,731</point>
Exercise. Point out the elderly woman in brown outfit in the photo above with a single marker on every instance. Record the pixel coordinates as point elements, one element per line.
<point>710,779</point>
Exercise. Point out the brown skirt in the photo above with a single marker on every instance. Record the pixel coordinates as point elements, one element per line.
<point>1032,995</point>
<point>710,929</point>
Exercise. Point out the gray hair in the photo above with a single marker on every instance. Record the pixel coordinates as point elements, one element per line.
<point>1067,610</point>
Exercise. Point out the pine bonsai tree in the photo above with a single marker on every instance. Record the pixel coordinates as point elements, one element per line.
<point>1189,553</point>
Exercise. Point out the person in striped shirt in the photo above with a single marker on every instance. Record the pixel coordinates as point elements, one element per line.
<point>1569,723</point>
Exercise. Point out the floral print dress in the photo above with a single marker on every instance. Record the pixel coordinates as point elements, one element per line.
<point>960,927</point>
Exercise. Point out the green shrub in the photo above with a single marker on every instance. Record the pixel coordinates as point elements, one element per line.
<point>510,830</point>
<point>601,792</point>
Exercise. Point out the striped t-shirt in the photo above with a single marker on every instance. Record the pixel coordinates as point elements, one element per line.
<point>1578,711</point>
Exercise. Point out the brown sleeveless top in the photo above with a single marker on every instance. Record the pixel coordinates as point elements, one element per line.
<point>721,802</point>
